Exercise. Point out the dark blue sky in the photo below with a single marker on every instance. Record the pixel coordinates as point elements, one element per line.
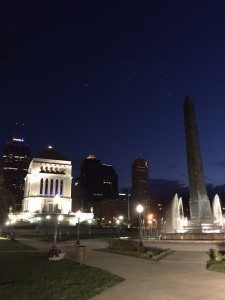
<point>110,77</point>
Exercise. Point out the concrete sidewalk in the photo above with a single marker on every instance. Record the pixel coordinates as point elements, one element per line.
<point>181,275</point>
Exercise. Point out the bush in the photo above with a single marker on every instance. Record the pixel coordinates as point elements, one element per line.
<point>217,261</point>
<point>128,244</point>
<point>54,252</point>
<point>215,255</point>
<point>132,248</point>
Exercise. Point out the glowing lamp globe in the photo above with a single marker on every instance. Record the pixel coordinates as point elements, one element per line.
<point>140,208</point>
<point>60,218</point>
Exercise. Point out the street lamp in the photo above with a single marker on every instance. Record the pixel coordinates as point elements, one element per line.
<point>118,229</point>
<point>150,218</point>
<point>78,215</point>
<point>60,218</point>
<point>38,219</point>
<point>120,218</point>
<point>89,228</point>
<point>149,228</point>
<point>55,227</point>
<point>140,209</point>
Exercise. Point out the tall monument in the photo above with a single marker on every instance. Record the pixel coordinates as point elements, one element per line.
<point>200,210</point>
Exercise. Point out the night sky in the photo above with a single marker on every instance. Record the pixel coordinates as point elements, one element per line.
<point>110,77</point>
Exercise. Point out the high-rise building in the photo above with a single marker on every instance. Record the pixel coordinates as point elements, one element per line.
<point>97,181</point>
<point>15,163</point>
<point>140,179</point>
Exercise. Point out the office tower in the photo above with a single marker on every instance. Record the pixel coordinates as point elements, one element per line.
<point>97,181</point>
<point>140,180</point>
<point>15,163</point>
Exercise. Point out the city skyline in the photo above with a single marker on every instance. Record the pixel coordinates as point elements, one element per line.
<point>111,81</point>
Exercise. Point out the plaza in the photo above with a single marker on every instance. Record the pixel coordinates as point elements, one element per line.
<point>181,275</point>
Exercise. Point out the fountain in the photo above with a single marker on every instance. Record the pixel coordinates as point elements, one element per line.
<point>206,222</point>
<point>176,221</point>
<point>178,226</point>
<point>217,211</point>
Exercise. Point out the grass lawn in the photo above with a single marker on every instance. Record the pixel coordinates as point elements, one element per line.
<point>31,276</point>
<point>8,245</point>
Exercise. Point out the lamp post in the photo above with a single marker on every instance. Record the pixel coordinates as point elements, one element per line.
<point>55,227</point>
<point>150,228</point>
<point>46,222</point>
<point>89,228</point>
<point>140,209</point>
<point>78,227</point>
<point>38,219</point>
<point>118,229</point>
<point>121,220</point>
<point>150,217</point>
<point>60,218</point>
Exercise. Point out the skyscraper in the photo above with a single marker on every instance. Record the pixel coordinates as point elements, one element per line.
<point>140,179</point>
<point>15,163</point>
<point>97,181</point>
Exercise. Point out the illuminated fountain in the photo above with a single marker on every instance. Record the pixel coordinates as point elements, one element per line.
<point>176,222</point>
<point>217,211</point>
<point>206,221</point>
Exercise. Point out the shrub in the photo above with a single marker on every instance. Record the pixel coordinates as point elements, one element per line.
<point>54,252</point>
<point>215,255</point>
<point>132,248</point>
<point>216,266</point>
<point>162,254</point>
<point>129,245</point>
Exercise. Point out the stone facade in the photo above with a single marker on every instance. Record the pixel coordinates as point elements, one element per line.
<point>48,184</point>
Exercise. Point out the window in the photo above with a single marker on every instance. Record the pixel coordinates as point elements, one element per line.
<point>51,187</point>
<point>56,186</point>
<point>46,187</point>
<point>41,186</point>
<point>61,187</point>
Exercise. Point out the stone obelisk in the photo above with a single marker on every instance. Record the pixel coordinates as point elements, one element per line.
<point>200,210</point>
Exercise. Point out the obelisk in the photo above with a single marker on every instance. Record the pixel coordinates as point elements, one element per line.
<point>200,210</point>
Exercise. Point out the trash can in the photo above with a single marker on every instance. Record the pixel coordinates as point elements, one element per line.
<point>79,253</point>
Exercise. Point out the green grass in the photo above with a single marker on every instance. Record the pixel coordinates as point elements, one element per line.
<point>31,276</point>
<point>8,245</point>
<point>131,248</point>
<point>65,237</point>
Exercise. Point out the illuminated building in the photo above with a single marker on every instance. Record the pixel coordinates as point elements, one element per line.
<point>97,181</point>
<point>15,162</point>
<point>49,175</point>
<point>140,179</point>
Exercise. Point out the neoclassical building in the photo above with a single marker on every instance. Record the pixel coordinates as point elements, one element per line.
<point>48,183</point>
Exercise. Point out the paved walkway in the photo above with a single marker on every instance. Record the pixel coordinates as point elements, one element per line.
<point>182,275</point>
